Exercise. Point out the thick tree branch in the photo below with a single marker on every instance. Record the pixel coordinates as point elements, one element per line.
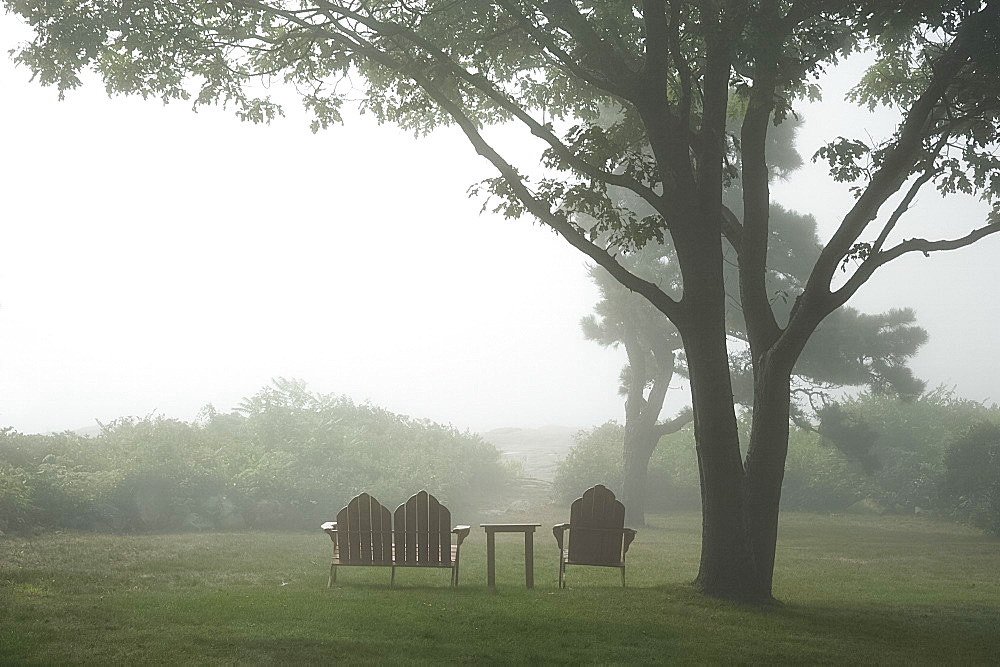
<point>680,62</point>
<point>555,220</point>
<point>722,33</point>
<point>505,102</point>
<point>762,327</point>
<point>656,54</point>
<point>595,49</point>
<point>816,300</point>
<point>875,261</point>
<point>540,209</point>
<point>898,162</point>
<point>732,229</point>
<point>668,133</point>
<point>658,392</point>
<point>903,207</point>
<point>621,85</point>
<point>685,417</point>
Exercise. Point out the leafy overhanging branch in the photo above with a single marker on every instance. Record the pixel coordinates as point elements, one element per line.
<point>898,161</point>
<point>895,164</point>
<point>876,260</point>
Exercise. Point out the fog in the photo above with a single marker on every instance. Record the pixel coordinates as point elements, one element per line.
<point>156,260</point>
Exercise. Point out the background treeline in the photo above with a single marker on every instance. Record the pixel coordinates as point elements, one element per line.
<point>285,458</point>
<point>873,453</point>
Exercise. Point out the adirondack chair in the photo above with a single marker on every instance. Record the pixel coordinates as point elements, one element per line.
<point>597,533</point>
<point>364,535</point>
<point>423,537</point>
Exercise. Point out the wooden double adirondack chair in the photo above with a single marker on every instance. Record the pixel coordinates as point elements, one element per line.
<point>417,534</point>
<point>597,533</point>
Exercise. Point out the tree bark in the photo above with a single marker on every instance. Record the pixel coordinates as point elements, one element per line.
<point>727,566</point>
<point>640,442</point>
<point>765,462</point>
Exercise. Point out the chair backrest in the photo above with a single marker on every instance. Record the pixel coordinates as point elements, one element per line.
<point>596,531</point>
<point>423,531</point>
<point>364,532</point>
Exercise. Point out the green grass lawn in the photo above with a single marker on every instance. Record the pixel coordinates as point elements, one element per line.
<point>851,589</point>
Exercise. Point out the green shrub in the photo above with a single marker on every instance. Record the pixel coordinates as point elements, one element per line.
<point>820,478</point>
<point>911,442</point>
<point>596,458</point>
<point>285,458</point>
<point>971,482</point>
<point>674,482</point>
<point>817,477</point>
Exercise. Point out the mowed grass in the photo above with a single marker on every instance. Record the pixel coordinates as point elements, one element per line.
<point>868,589</point>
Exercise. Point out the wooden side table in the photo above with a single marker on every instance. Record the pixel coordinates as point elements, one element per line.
<point>529,549</point>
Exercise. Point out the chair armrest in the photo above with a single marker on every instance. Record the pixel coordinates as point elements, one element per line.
<point>460,532</point>
<point>330,528</point>
<point>558,531</point>
<point>629,536</point>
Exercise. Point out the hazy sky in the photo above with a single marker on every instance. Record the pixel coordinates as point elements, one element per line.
<point>155,260</point>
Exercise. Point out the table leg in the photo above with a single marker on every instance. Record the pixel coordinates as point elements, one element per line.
<point>491,559</point>
<point>529,559</point>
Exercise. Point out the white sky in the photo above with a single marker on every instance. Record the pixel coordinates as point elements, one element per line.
<point>155,260</point>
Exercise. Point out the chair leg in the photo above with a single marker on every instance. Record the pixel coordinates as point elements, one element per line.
<point>333,577</point>
<point>623,577</point>
<point>562,573</point>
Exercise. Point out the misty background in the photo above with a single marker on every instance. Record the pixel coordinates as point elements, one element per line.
<point>156,260</point>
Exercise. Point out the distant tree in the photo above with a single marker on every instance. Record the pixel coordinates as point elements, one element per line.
<point>651,344</point>
<point>674,68</point>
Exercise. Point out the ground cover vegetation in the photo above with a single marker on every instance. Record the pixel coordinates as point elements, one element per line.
<point>868,589</point>
<point>674,69</point>
<point>936,454</point>
<point>285,458</point>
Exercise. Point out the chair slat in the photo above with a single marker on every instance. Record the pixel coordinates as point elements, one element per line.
<point>365,530</point>
<point>399,532</point>
<point>423,538</point>
<point>343,526</point>
<point>377,536</point>
<point>410,555</point>
<point>387,552</point>
<point>353,523</point>
<point>433,530</point>
<point>444,535</point>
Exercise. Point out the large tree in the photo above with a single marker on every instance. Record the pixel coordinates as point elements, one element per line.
<point>849,349</point>
<point>548,66</point>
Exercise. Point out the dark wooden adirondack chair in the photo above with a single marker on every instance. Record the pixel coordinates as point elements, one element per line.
<point>423,535</point>
<point>362,535</point>
<point>597,533</point>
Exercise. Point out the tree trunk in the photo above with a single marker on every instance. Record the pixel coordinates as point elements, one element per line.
<point>640,442</point>
<point>727,567</point>
<point>765,463</point>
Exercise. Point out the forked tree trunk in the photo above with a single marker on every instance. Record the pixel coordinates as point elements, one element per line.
<point>727,567</point>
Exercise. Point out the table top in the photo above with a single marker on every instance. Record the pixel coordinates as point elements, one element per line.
<point>509,527</point>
